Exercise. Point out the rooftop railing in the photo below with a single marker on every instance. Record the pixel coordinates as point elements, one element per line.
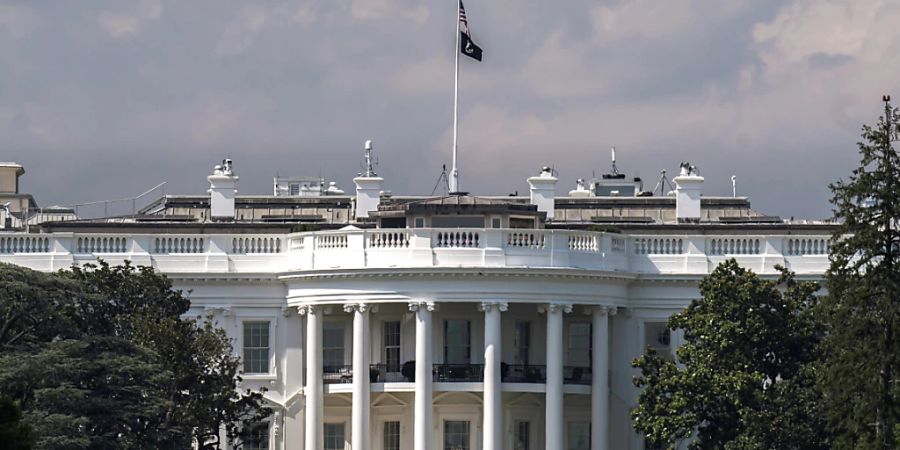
<point>421,248</point>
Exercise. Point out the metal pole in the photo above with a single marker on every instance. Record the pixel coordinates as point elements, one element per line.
<point>454,173</point>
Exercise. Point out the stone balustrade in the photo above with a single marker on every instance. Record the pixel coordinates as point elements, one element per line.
<point>421,248</point>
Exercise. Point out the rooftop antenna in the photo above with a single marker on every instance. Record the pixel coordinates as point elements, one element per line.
<point>615,170</point>
<point>663,182</point>
<point>734,185</point>
<point>442,176</point>
<point>370,163</point>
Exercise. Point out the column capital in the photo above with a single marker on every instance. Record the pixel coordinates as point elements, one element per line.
<point>604,310</point>
<point>308,310</point>
<point>354,307</point>
<point>553,308</point>
<point>426,306</point>
<point>489,306</point>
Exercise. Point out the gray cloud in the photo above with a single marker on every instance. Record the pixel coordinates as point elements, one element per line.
<point>104,99</point>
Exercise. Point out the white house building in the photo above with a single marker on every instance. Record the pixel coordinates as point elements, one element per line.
<point>381,322</point>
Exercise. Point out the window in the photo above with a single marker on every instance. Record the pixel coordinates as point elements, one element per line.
<point>334,436</point>
<point>457,348</point>
<point>392,435</point>
<point>456,435</point>
<point>419,222</point>
<point>496,222</point>
<point>658,337</point>
<point>333,345</point>
<point>523,435</point>
<point>523,341</point>
<point>257,438</point>
<point>294,189</point>
<point>392,346</point>
<point>579,354</point>
<point>256,347</point>
<point>579,435</point>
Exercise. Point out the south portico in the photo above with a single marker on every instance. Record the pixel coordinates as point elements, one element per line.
<point>472,362</point>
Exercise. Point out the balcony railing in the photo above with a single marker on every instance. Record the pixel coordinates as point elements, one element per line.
<point>577,375</point>
<point>383,373</point>
<point>458,373</point>
<point>422,247</point>
<point>337,374</point>
<point>523,373</point>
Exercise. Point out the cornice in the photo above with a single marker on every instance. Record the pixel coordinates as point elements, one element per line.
<point>450,272</point>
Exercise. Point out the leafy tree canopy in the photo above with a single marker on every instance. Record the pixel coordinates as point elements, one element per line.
<point>101,357</point>
<point>743,378</point>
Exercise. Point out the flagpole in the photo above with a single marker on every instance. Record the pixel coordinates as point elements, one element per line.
<point>454,172</point>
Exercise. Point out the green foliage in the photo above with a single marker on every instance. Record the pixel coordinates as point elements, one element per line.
<point>744,379</point>
<point>100,357</point>
<point>14,433</point>
<point>861,366</point>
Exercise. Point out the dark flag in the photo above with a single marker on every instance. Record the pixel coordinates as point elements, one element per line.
<point>466,46</point>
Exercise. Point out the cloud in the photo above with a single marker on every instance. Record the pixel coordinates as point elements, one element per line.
<point>120,24</point>
<point>383,9</point>
<point>17,20</point>
<point>240,34</point>
<point>864,30</point>
<point>651,19</point>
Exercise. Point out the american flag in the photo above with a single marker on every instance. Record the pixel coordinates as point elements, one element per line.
<point>463,23</point>
<point>466,46</point>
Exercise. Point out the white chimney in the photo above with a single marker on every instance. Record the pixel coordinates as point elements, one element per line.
<point>368,187</point>
<point>688,187</point>
<point>222,190</point>
<point>580,189</point>
<point>543,191</point>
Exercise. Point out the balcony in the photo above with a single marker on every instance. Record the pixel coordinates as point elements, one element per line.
<point>458,373</point>
<point>577,375</point>
<point>337,374</point>
<point>523,373</point>
<point>423,248</point>
<point>382,373</point>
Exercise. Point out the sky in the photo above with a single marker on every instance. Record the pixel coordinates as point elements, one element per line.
<point>103,100</point>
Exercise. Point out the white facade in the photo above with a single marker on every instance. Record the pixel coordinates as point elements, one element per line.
<point>522,338</point>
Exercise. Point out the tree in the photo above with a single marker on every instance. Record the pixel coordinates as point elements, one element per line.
<point>744,377</point>
<point>14,433</point>
<point>862,310</point>
<point>114,364</point>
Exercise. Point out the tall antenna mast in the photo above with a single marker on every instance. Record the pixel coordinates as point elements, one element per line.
<point>615,170</point>
<point>663,182</point>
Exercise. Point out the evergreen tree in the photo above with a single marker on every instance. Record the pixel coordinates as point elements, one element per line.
<point>862,312</point>
<point>744,379</point>
<point>14,433</point>
<point>101,357</point>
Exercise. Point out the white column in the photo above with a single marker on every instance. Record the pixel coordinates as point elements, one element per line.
<point>422,428</point>
<point>554,419</point>
<point>314,407</point>
<point>359,434</point>
<point>600,380</point>
<point>493,395</point>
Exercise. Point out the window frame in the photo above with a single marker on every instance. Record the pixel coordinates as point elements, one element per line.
<point>398,347</point>
<point>469,432</point>
<point>468,347</point>
<point>343,425</point>
<point>270,358</point>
